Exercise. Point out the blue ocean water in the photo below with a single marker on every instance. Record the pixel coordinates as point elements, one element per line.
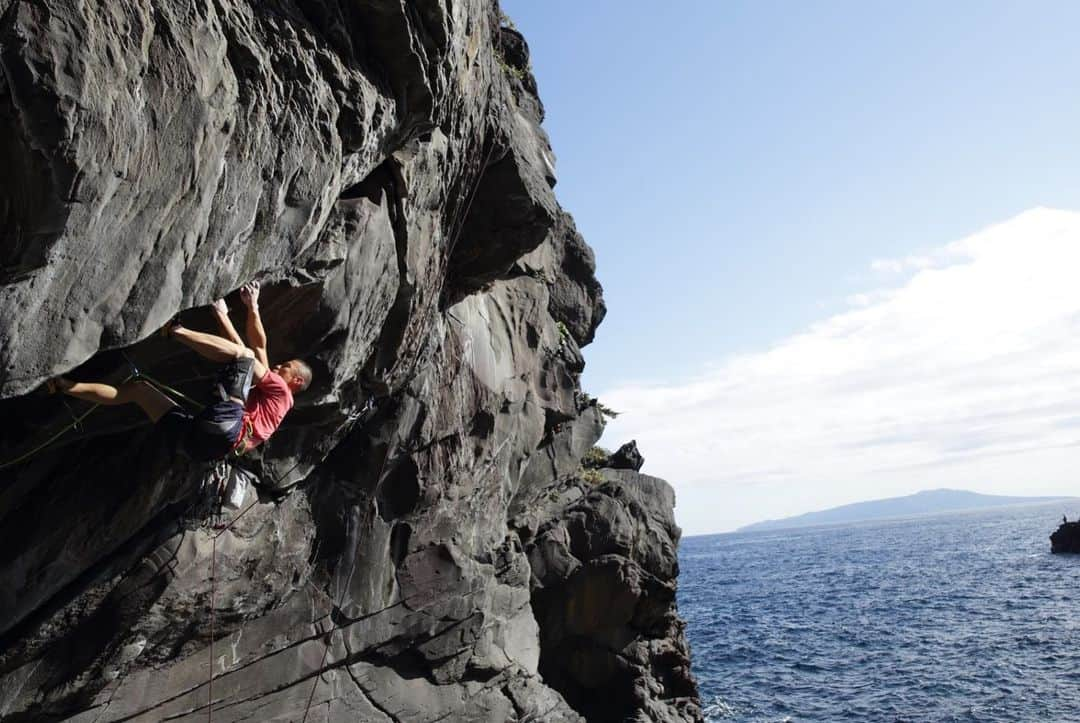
<point>960,617</point>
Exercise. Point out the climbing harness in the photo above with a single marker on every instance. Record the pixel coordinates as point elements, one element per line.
<point>243,444</point>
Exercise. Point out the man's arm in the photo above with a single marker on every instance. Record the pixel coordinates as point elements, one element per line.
<point>221,311</point>
<point>255,333</point>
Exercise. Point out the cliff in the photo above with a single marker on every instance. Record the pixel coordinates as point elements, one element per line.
<point>419,541</point>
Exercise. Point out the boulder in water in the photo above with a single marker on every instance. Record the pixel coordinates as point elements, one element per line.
<point>1066,538</point>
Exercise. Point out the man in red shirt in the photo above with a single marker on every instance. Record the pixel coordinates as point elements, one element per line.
<point>244,416</point>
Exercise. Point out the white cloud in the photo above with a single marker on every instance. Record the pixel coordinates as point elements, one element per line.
<point>967,374</point>
<point>908,263</point>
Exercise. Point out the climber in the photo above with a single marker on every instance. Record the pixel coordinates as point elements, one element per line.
<point>243,417</point>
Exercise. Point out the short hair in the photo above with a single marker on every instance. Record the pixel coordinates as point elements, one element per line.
<point>304,371</point>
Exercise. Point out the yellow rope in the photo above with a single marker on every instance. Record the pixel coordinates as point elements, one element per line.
<point>164,388</point>
<point>50,440</point>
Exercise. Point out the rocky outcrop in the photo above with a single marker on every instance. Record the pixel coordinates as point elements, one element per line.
<point>604,572</point>
<point>1066,538</point>
<point>380,167</point>
<point>625,457</point>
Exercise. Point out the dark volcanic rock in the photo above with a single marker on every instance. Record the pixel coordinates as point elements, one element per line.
<point>627,457</point>
<point>1066,538</point>
<point>381,168</point>
<point>605,568</point>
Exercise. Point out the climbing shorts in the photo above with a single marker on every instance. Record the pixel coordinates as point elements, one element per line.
<point>208,435</point>
<point>212,433</point>
<point>234,379</point>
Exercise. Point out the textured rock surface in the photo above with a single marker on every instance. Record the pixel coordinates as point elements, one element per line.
<point>381,168</point>
<point>605,569</point>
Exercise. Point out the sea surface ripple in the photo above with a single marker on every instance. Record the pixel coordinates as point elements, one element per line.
<point>960,617</point>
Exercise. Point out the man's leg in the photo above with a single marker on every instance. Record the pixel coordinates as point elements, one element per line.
<point>153,403</point>
<point>214,348</point>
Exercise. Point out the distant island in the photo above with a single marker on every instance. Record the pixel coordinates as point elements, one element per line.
<point>920,503</point>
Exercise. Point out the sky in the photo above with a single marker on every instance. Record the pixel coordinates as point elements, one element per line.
<point>834,239</point>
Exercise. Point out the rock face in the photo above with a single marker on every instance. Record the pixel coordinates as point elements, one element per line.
<point>380,167</point>
<point>605,567</point>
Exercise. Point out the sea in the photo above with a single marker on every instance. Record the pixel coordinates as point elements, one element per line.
<point>957,617</point>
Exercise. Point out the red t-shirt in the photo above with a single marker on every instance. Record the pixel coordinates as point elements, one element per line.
<point>267,403</point>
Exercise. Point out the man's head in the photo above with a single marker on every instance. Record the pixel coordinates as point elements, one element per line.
<point>296,373</point>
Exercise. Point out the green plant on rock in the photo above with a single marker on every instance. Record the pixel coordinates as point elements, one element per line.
<point>595,457</point>
<point>605,410</point>
<point>564,333</point>
<point>587,400</point>
<point>592,476</point>
<point>510,70</point>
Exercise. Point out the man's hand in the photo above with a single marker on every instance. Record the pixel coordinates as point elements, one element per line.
<point>255,333</point>
<point>250,294</point>
<point>221,310</point>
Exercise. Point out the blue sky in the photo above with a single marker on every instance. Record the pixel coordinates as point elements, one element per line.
<point>749,172</point>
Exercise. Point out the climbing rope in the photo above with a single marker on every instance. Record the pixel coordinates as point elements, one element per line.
<point>135,375</point>
<point>213,587</point>
<point>75,424</point>
<point>318,671</point>
<point>455,234</point>
<point>162,387</point>
<point>167,390</point>
<point>22,458</point>
<point>369,406</point>
<point>341,598</point>
<point>218,477</point>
